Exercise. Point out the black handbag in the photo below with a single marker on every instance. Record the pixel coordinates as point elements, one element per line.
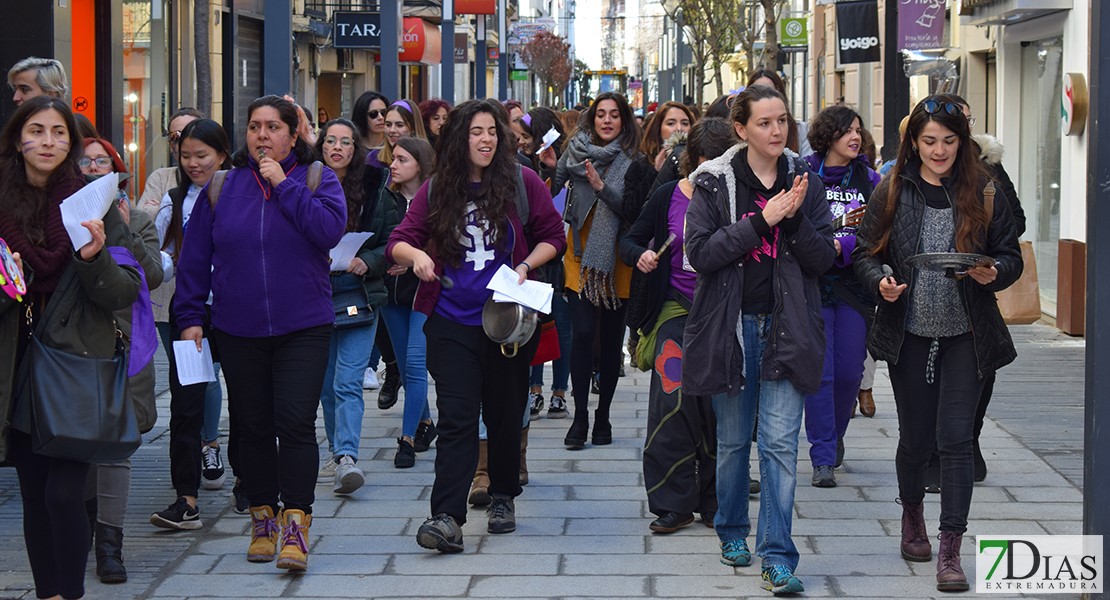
<point>80,408</point>
<point>351,303</point>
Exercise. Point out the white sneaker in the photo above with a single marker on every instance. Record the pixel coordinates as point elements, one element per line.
<point>370,380</point>
<point>348,477</point>
<point>327,470</point>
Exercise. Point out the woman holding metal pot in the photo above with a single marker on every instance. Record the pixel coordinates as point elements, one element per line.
<point>462,226</point>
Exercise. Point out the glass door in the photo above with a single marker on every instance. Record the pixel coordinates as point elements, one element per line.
<point>1039,177</point>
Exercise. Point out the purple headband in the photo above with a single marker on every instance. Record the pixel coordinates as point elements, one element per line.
<point>526,119</point>
<point>405,104</point>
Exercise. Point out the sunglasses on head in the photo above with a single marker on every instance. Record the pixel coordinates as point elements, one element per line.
<point>374,114</point>
<point>933,107</point>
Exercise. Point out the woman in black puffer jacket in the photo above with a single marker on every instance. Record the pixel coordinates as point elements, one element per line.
<point>941,336</point>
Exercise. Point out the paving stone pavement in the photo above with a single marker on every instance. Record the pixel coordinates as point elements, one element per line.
<point>582,521</point>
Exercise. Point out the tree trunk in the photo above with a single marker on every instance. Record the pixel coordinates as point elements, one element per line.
<point>203,57</point>
<point>771,32</point>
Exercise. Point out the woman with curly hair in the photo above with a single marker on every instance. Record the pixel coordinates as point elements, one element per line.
<point>462,226</point>
<point>595,164</point>
<point>836,135</point>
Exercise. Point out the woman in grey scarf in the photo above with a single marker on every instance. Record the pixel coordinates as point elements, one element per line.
<point>593,167</point>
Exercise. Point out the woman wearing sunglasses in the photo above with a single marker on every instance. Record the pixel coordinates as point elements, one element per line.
<point>941,336</point>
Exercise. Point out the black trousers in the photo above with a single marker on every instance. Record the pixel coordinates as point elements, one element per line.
<point>471,376</point>
<point>588,322</point>
<point>187,419</point>
<point>55,524</point>
<point>943,410</point>
<point>273,390</point>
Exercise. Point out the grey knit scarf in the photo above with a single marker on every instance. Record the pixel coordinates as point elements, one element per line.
<point>599,256</point>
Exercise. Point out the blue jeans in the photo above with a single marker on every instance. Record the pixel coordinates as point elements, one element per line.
<point>341,395</point>
<point>560,367</point>
<point>213,394</point>
<point>779,406</point>
<point>406,330</point>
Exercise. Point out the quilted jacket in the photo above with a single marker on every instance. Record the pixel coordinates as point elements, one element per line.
<point>993,346</point>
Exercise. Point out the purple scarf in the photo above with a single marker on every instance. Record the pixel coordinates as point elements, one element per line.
<point>143,339</point>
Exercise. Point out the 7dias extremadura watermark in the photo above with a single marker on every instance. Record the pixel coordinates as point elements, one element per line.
<point>1043,564</point>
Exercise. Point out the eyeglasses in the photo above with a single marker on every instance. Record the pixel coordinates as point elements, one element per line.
<point>346,142</point>
<point>932,107</point>
<point>174,136</point>
<point>374,114</point>
<point>101,161</point>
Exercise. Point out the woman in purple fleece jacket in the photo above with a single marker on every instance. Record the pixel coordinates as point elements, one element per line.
<point>262,251</point>
<point>835,135</point>
<point>464,230</point>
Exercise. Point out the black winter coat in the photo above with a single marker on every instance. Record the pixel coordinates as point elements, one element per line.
<point>652,225</point>
<point>993,346</point>
<point>717,243</point>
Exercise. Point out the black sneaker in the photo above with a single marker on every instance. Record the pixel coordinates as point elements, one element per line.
<point>406,455</point>
<point>242,503</point>
<point>558,408</point>
<point>442,533</point>
<point>178,515</point>
<point>213,476</point>
<point>502,514</point>
<point>425,434</point>
<point>535,405</point>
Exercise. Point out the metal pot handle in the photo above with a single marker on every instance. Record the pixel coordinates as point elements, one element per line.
<point>506,354</point>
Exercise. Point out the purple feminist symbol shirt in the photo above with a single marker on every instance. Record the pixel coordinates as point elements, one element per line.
<point>463,302</point>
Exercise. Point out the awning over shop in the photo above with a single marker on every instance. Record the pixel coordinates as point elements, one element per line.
<point>1006,12</point>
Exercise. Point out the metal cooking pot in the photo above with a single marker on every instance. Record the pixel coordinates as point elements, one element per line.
<point>508,324</point>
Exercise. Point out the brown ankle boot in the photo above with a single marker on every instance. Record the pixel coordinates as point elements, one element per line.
<point>866,403</point>
<point>950,574</point>
<point>524,456</point>
<point>479,489</point>
<point>915,540</point>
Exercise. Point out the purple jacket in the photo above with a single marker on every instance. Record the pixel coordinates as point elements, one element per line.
<point>265,261</point>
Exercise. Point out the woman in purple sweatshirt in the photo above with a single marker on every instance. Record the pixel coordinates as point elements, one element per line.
<point>836,137</point>
<point>262,252</point>
<point>464,225</point>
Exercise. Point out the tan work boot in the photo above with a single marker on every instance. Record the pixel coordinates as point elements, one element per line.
<point>264,534</point>
<point>479,489</point>
<point>294,540</point>
<point>524,456</point>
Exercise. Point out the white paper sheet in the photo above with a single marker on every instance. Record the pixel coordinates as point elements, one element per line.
<point>192,366</point>
<point>533,294</point>
<point>87,203</point>
<point>549,138</point>
<point>342,254</point>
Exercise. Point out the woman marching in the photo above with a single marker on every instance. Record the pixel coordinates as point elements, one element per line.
<point>836,137</point>
<point>595,163</point>
<point>413,164</point>
<point>462,226</point>
<point>758,233</point>
<point>941,336</point>
<point>681,445</point>
<point>69,307</point>
<point>361,283</point>
<point>260,248</point>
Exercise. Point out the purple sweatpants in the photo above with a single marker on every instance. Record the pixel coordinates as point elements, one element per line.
<point>829,410</point>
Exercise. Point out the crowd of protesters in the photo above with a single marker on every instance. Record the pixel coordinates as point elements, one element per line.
<point>751,262</point>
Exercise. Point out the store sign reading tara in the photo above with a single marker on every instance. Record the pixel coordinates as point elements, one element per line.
<point>356,29</point>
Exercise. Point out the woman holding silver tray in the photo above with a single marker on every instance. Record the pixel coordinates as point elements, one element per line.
<point>937,324</point>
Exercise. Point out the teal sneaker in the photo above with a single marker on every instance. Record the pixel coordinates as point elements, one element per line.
<point>735,553</point>
<point>779,580</point>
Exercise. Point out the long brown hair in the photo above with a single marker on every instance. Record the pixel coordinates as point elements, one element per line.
<point>629,137</point>
<point>354,179</point>
<point>967,176</point>
<point>653,137</point>
<point>23,201</point>
<point>452,189</point>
